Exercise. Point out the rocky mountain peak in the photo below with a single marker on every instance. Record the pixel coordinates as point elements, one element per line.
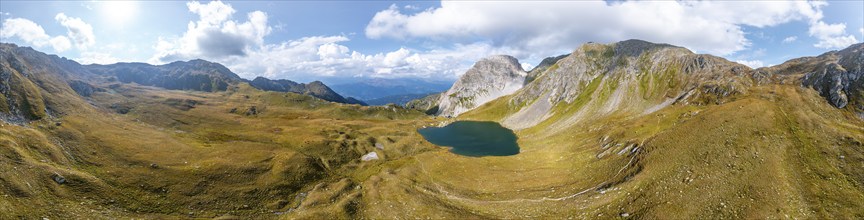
<point>635,47</point>
<point>203,67</point>
<point>488,79</point>
<point>509,61</point>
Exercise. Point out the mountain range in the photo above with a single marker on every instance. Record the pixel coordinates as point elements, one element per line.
<point>631,129</point>
<point>647,77</point>
<point>375,88</point>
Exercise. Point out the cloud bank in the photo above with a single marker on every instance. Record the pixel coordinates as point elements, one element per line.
<point>80,33</point>
<point>704,26</point>
<point>216,36</point>
<point>32,33</point>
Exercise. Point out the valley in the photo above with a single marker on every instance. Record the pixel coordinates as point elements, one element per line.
<point>631,129</point>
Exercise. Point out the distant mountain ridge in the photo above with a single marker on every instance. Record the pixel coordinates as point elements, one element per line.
<point>34,85</point>
<point>199,75</point>
<point>396,99</point>
<point>315,88</point>
<point>373,88</point>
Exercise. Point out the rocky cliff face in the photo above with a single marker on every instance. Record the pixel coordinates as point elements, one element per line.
<point>836,75</point>
<point>487,80</point>
<point>839,77</point>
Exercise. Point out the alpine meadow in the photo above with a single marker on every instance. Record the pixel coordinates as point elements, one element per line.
<point>432,110</point>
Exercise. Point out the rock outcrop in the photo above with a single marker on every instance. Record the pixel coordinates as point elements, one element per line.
<point>428,104</point>
<point>542,67</point>
<point>487,80</point>
<point>839,78</point>
<point>83,88</point>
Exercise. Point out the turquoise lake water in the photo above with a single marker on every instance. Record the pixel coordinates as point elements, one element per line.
<point>473,138</point>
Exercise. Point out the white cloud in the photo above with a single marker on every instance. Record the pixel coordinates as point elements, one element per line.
<point>836,42</point>
<point>831,35</point>
<point>312,58</point>
<point>396,58</point>
<point>332,51</point>
<point>30,32</point>
<point>751,63</point>
<point>790,39</point>
<point>821,29</point>
<point>243,50</point>
<point>96,58</point>
<point>549,27</point>
<point>80,32</point>
<point>214,35</point>
<point>211,14</point>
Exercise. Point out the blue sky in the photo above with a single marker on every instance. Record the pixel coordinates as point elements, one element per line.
<point>309,40</point>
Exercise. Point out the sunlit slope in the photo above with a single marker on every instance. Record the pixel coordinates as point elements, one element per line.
<point>781,153</point>
<point>127,150</point>
<point>660,133</point>
<point>178,153</point>
<point>627,78</point>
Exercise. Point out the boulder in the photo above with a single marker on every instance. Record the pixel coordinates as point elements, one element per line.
<point>59,179</point>
<point>370,156</point>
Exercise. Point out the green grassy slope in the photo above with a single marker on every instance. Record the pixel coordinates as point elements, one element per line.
<point>166,157</point>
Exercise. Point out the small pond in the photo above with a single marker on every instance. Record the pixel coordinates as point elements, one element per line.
<point>473,138</point>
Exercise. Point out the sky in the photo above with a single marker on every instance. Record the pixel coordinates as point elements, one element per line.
<point>311,40</point>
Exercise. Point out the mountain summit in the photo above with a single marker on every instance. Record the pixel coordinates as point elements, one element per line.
<point>488,79</point>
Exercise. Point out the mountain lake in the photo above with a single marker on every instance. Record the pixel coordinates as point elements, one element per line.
<point>473,138</point>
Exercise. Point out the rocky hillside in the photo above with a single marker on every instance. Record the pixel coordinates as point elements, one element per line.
<point>400,100</point>
<point>34,85</point>
<point>374,88</point>
<point>542,67</point>
<point>316,89</point>
<point>488,79</point>
<point>428,104</point>
<point>631,77</point>
<point>635,77</point>
<point>653,131</point>
<point>837,75</point>
<point>76,144</point>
